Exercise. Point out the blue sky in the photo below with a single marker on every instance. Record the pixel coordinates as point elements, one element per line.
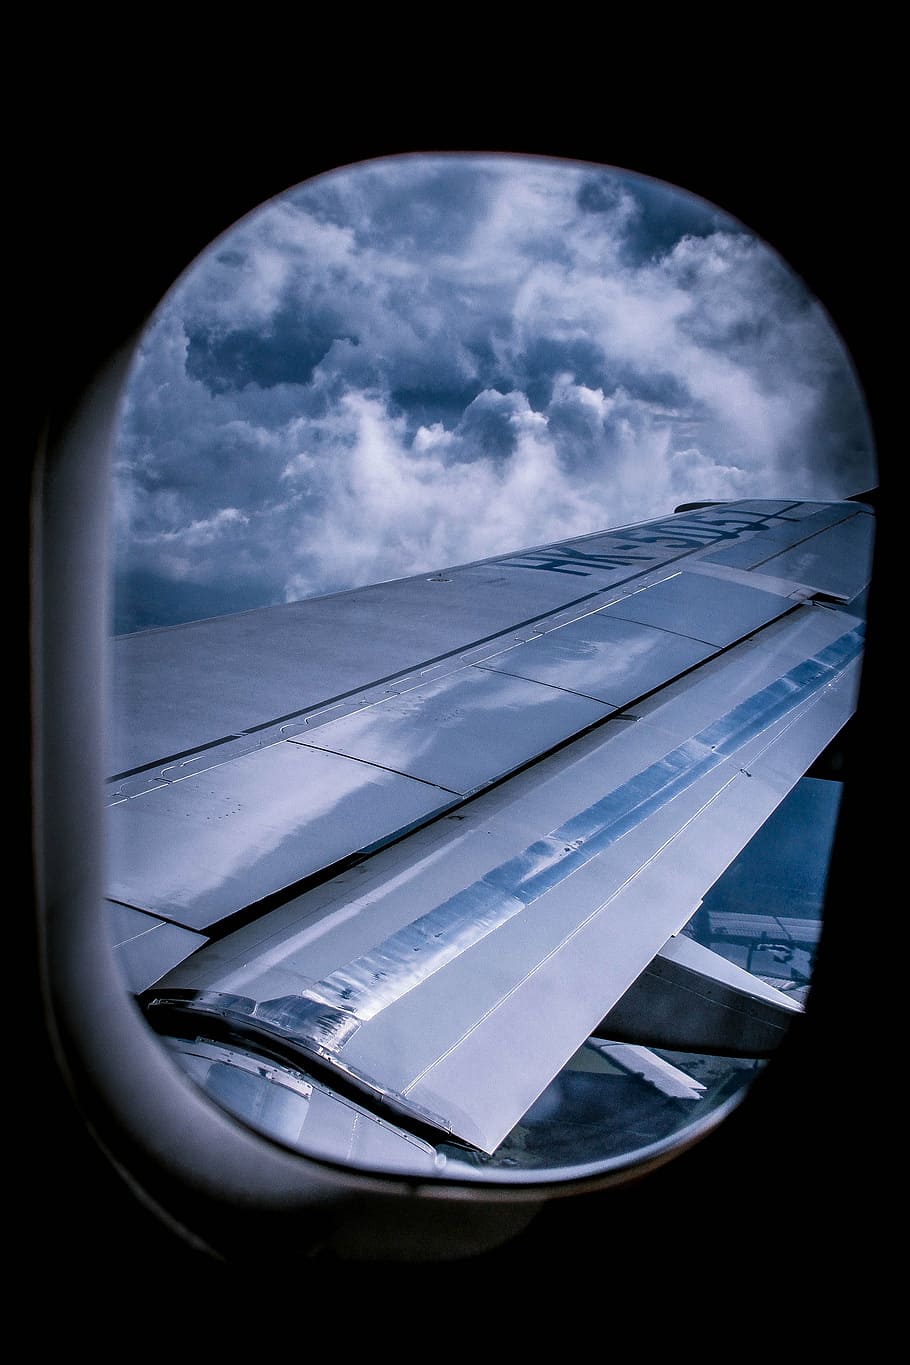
<point>414,362</point>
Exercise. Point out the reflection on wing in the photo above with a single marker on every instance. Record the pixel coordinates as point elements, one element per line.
<point>424,840</point>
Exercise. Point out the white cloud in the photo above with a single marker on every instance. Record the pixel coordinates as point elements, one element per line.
<point>433,364</point>
<point>200,533</point>
<point>389,507</point>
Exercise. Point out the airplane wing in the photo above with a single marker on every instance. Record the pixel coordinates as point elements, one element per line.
<point>425,838</point>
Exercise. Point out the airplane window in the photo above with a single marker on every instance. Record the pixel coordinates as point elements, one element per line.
<point>491,540</point>
<point>376,647</point>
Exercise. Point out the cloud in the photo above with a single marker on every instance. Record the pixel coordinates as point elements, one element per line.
<point>424,360</point>
<point>386,506</point>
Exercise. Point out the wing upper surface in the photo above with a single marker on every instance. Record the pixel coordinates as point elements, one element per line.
<point>278,798</point>
<point>183,688</point>
<point>538,765</point>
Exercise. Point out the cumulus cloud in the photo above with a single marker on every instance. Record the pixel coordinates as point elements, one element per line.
<point>389,506</point>
<point>426,360</point>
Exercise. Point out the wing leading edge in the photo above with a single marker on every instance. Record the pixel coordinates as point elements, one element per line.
<point>432,888</point>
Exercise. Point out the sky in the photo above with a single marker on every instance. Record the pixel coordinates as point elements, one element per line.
<point>420,361</point>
